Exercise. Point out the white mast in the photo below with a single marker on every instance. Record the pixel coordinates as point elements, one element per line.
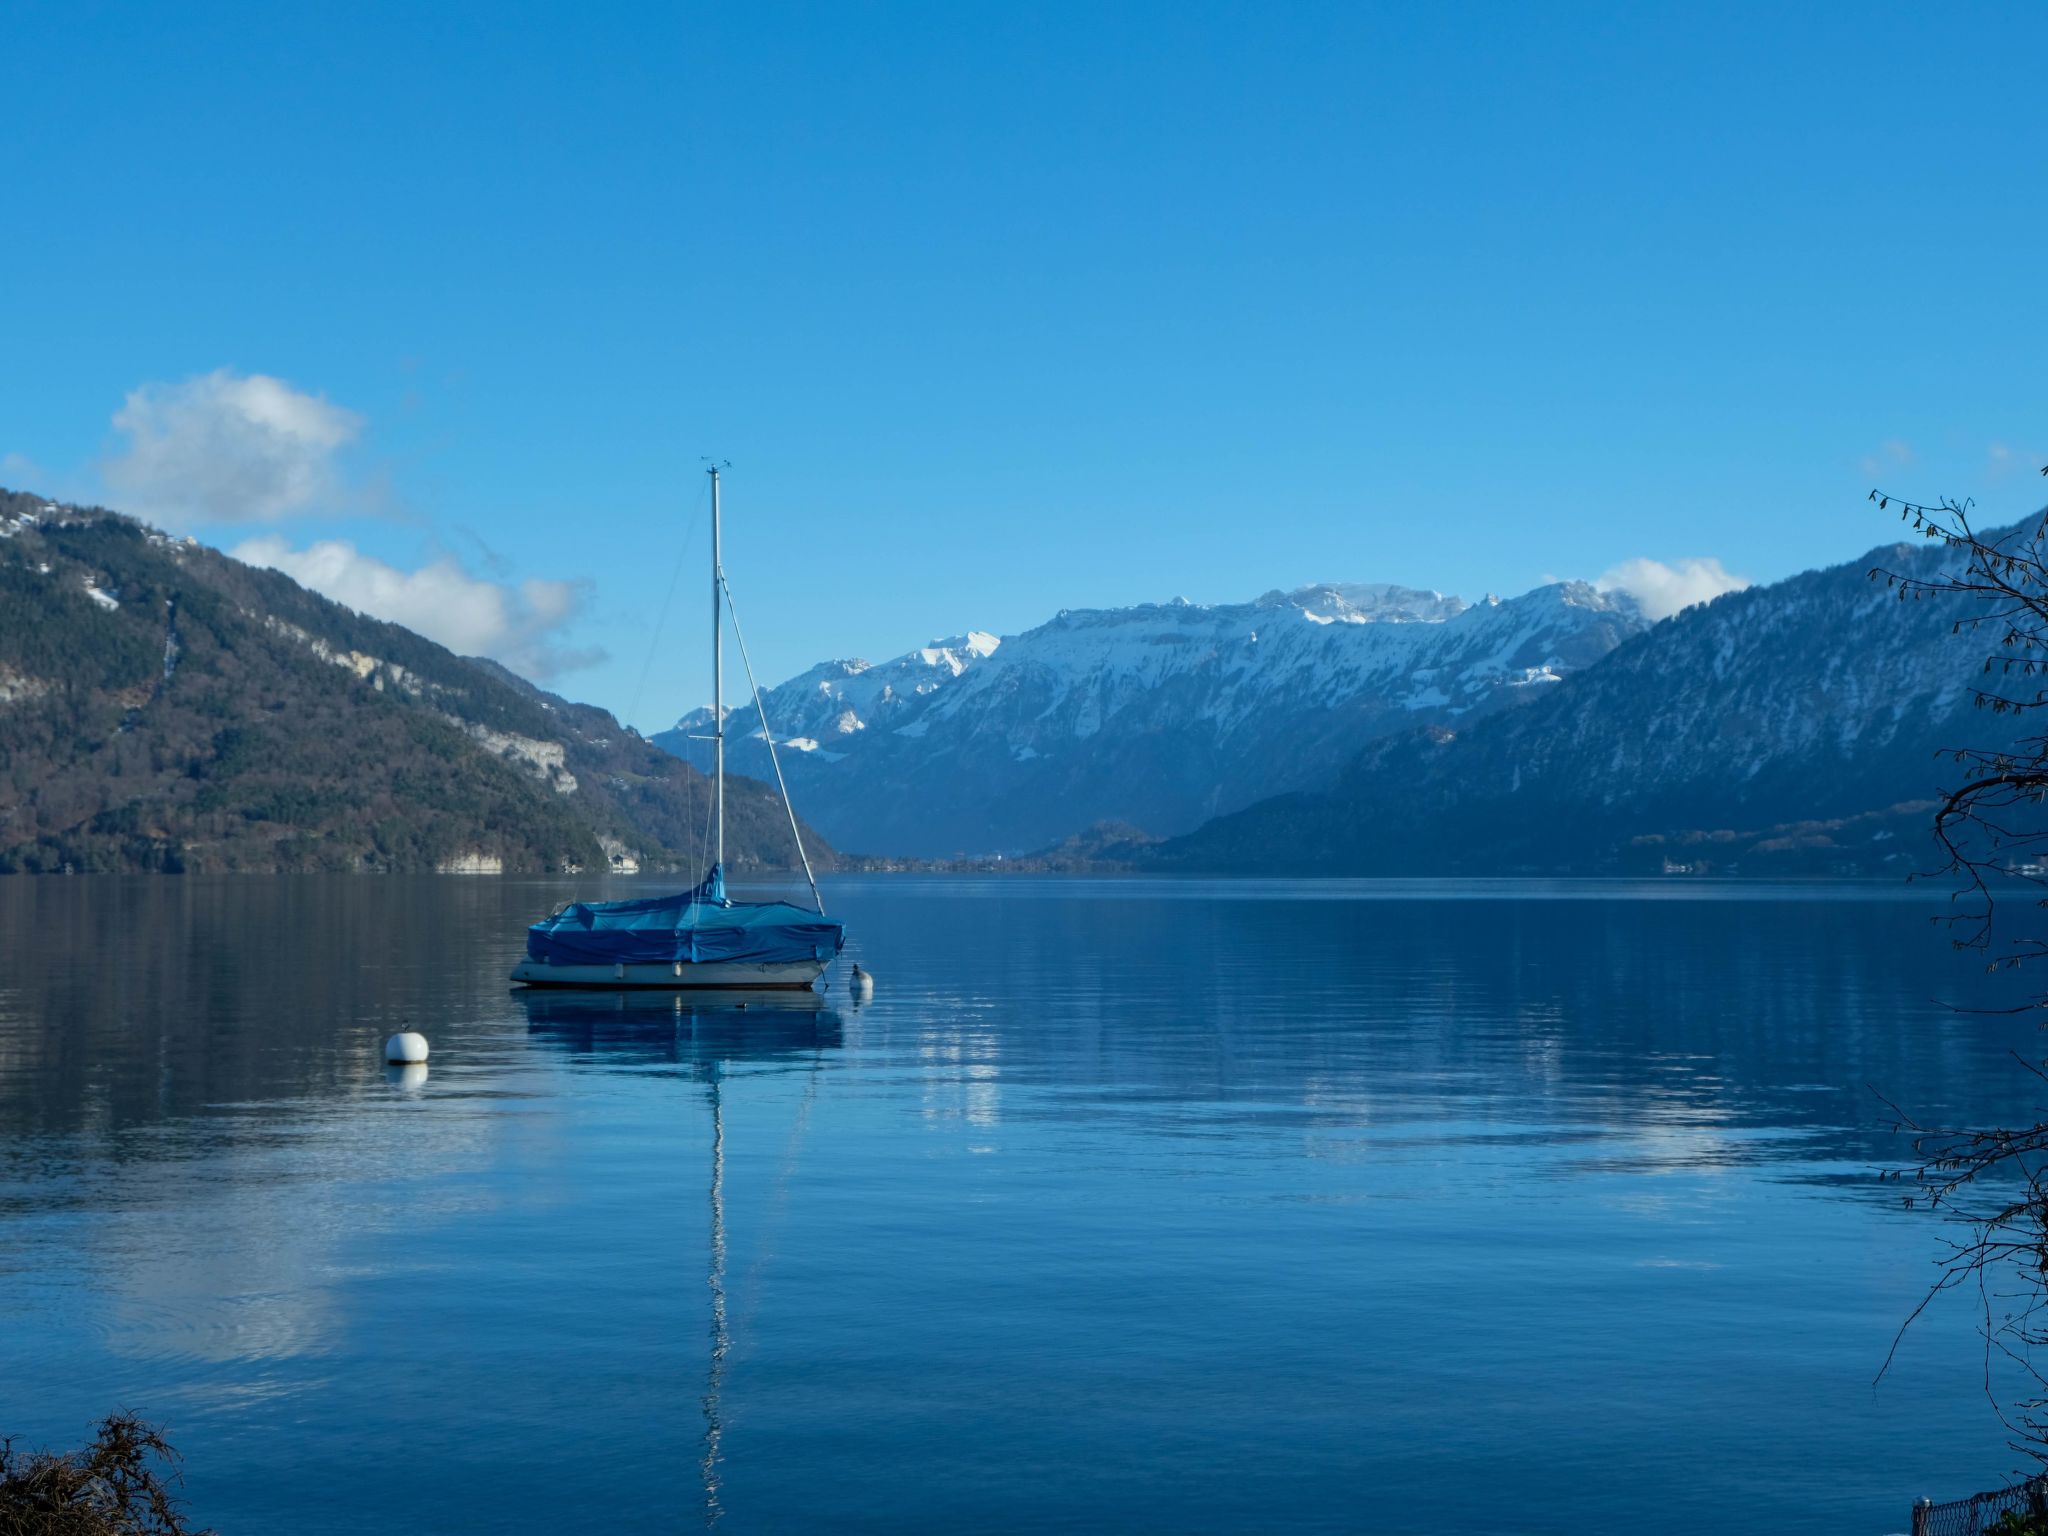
<point>717,685</point>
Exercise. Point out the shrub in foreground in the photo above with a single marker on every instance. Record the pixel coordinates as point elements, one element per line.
<point>120,1485</point>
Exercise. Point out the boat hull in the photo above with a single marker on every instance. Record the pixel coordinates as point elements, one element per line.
<point>683,976</point>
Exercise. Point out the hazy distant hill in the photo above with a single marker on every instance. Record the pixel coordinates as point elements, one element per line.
<point>1159,716</point>
<point>165,707</point>
<point>1795,727</point>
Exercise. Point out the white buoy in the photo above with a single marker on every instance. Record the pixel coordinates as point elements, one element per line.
<point>406,1049</point>
<point>861,983</point>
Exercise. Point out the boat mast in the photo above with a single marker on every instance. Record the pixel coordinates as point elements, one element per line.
<point>717,685</point>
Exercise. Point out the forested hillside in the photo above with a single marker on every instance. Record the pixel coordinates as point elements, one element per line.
<point>164,707</point>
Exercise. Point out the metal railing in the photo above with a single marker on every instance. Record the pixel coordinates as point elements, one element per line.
<point>2021,1510</point>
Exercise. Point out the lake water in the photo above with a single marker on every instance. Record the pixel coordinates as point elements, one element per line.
<point>1122,1205</point>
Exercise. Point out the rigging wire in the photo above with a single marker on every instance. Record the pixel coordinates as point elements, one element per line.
<point>703,832</point>
<point>675,580</point>
<point>778,1202</point>
<point>767,735</point>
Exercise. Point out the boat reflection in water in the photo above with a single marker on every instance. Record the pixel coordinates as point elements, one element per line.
<point>699,1028</point>
<point>704,1032</point>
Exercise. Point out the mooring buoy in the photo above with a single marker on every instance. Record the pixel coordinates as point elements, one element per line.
<point>406,1048</point>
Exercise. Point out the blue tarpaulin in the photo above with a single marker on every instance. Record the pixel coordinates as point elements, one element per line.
<point>694,925</point>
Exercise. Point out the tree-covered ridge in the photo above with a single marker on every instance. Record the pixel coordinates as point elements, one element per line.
<point>164,707</point>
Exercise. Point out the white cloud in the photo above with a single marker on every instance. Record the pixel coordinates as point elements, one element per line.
<point>223,447</point>
<point>518,623</point>
<point>19,472</point>
<point>1661,590</point>
<point>2003,460</point>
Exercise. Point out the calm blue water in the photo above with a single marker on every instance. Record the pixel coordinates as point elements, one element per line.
<point>1122,1205</point>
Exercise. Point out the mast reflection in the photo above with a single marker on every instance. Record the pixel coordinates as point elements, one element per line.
<point>703,1033</point>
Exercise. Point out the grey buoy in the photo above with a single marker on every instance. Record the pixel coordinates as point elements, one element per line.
<point>406,1049</point>
<point>861,983</point>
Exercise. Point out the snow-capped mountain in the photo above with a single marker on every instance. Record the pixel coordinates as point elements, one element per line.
<point>1808,717</point>
<point>1160,715</point>
<point>827,710</point>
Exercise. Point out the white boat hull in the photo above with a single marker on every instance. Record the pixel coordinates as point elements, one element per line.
<point>722,975</point>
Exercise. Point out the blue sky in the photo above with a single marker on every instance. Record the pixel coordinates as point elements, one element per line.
<point>1002,310</point>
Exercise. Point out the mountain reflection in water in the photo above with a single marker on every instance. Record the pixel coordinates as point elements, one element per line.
<point>1121,1204</point>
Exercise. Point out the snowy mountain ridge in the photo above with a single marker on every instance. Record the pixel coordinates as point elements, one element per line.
<point>1159,715</point>
<point>1804,725</point>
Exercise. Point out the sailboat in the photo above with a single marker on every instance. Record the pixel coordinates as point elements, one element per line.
<point>700,937</point>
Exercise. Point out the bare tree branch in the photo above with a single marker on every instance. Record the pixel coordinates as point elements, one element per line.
<point>1992,829</point>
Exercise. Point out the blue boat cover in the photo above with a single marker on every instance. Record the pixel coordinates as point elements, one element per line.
<point>694,925</point>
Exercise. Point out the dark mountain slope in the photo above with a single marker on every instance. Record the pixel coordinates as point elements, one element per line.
<point>165,707</point>
<point>1795,726</point>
